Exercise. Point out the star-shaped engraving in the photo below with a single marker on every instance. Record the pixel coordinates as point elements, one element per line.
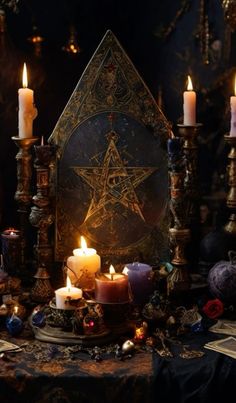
<point>113,182</point>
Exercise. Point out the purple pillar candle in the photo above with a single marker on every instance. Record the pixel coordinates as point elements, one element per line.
<point>141,281</point>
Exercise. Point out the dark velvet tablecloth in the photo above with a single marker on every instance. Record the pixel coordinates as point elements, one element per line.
<point>45,375</point>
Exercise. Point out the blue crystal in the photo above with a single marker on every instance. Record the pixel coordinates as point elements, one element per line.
<point>14,325</point>
<point>38,319</point>
<point>197,327</point>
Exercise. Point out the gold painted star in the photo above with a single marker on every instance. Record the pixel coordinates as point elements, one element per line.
<point>113,182</point>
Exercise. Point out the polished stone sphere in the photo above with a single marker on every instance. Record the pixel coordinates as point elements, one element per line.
<point>222,281</point>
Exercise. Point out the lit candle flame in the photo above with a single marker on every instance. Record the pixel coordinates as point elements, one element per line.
<point>15,310</point>
<point>68,283</point>
<point>11,233</point>
<point>111,269</point>
<point>83,244</point>
<point>125,271</point>
<point>24,77</point>
<point>190,84</point>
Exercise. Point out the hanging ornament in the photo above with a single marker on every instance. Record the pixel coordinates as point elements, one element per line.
<point>72,46</point>
<point>36,40</point>
<point>229,7</point>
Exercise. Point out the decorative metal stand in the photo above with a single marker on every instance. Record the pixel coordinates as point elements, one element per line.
<point>41,217</point>
<point>23,193</point>
<point>190,147</point>
<point>179,234</point>
<point>230,227</point>
<point>42,290</point>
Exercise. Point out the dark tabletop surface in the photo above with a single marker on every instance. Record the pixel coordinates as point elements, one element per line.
<point>44,372</point>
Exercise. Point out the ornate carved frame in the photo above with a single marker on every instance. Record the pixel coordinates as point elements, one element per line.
<point>111,176</point>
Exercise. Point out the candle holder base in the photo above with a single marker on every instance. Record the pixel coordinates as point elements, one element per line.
<point>71,327</point>
<point>57,335</point>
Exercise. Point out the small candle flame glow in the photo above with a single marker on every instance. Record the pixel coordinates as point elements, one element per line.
<point>24,77</point>
<point>190,84</point>
<point>83,244</point>
<point>111,269</point>
<point>125,271</point>
<point>68,283</point>
<point>15,310</point>
<point>11,233</point>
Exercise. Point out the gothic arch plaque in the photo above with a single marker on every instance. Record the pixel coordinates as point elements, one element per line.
<point>111,176</point>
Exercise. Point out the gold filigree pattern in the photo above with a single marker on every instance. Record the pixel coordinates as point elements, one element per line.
<point>113,182</point>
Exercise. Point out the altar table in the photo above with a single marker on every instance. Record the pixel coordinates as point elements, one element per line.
<point>45,375</point>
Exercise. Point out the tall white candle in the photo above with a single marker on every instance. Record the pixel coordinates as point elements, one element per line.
<point>233,112</point>
<point>189,105</point>
<point>27,111</point>
<point>85,263</point>
<point>66,294</point>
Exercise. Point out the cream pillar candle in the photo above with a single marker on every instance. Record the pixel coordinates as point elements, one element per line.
<point>27,111</point>
<point>84,263</point>
<point>189,105</point>
<point>233,112</point>
<point>66,294</point>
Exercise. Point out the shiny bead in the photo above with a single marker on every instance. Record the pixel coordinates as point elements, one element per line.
<point>127,346</point>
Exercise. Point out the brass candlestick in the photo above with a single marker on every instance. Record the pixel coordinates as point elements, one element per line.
<point>179,234</point>
<point>42,290</point>
<point>42,218</point>
<point>23,192</point>
<point>190,148</point>
<point>41,215</point>
<point>230,227</point>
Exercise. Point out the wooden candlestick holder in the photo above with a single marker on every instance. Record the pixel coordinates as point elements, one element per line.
<point>23,194</point>
<point>230,227</point>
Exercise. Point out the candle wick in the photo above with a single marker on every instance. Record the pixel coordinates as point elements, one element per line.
<point>112,277</point>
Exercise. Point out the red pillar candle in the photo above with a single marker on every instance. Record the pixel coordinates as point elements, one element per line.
<point>111,288</point>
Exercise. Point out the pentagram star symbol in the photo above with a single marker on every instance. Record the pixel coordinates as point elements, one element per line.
<point>113,182</point>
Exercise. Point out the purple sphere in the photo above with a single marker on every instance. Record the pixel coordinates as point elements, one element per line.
<point>222,281</point>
